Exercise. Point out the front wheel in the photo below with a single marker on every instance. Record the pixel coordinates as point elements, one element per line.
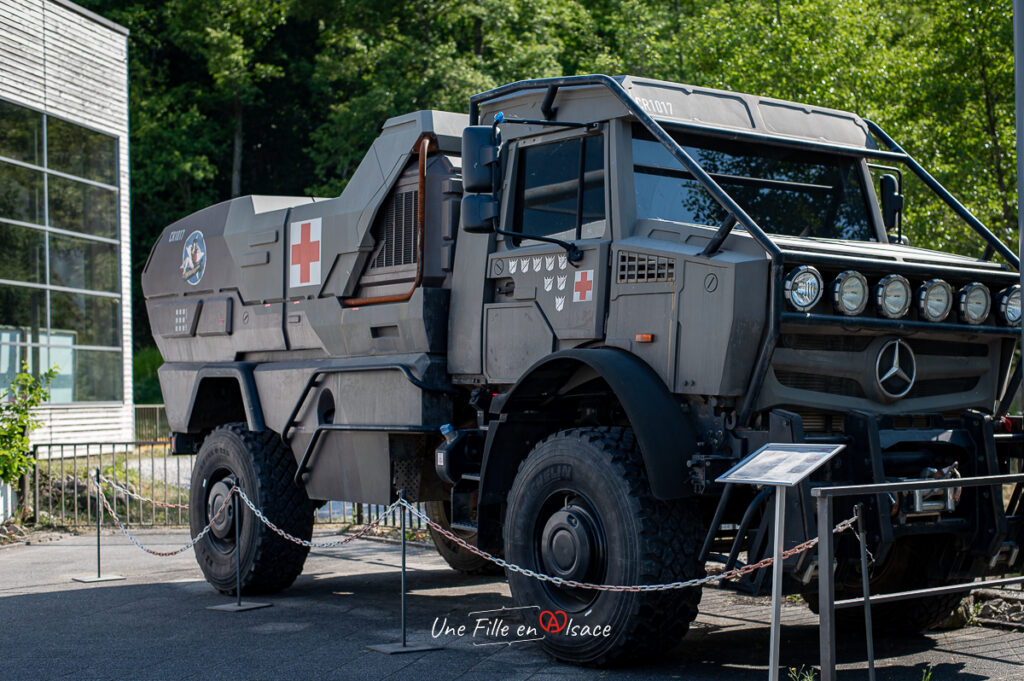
<point>581,509</point>
<point>455,555</point>
<point>264,468</point>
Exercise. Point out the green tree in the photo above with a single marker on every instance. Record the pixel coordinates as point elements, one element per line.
<point>230,36</point>
<point>17,421</point>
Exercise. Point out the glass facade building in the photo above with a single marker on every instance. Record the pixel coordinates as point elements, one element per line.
<point>60,248</point>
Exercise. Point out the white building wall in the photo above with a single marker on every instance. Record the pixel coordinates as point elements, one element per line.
<point>65,61</point>
<point>7,502</point>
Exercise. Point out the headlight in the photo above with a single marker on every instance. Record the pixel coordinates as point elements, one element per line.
<point>975,303</point>
<point>935,300</point>
<point>803,288</point>
<point>1009,305</point>
<point>892,295</point>
<point>850,292</point>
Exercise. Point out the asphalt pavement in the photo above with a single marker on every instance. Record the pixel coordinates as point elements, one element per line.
<point>155,625</point>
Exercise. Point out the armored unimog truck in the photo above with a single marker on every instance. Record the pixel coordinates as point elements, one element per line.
<point>558,319</point>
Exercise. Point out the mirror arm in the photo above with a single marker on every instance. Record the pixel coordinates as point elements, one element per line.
<point>572,251</point>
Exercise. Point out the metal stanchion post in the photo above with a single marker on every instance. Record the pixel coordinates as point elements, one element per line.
<point>238,553</point>
<point>99,526</point>
<point>238,605</point>
<point>826,591</point>
<point>862,534</point>
<point>402,493</point>
<point>403,646</point>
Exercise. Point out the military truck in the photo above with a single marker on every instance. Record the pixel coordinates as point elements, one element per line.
<point>559,318</point>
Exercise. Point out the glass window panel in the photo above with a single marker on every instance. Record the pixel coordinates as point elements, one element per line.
<point>21,193</point>
<point>78,151</point>
<point>87,320</point>
<point>11,359</point>
<point>82,207</point>
<point>789,192</point>
<point>81,263</point>
<point>21,133</point>
<point>22,314</point>
<point>593,180</point>
<point>94,375</point>
<point>547,188</point>
<point>23,252</point>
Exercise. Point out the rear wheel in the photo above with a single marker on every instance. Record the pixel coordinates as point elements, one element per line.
<point>264,468</point>
<point>455,555</point>
<point>581,509</point>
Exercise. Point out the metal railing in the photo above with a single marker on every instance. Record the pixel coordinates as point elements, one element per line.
<point>151,422</point>
<point>826,551</point>
<point>152,487</point>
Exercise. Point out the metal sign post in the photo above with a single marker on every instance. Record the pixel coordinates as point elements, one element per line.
<point>779,466</point>
<point>1018,82</point>
<point>99,524</point>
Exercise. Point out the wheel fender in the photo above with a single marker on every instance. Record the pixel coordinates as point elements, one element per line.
<point>197,416</point>
<point>665,433</point>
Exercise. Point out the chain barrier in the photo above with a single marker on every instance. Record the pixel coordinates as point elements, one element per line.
<point>139,497</point>
<point>571,583</point>
<point>186,547</point>
<point>500,562</point>
<point>319,545</point>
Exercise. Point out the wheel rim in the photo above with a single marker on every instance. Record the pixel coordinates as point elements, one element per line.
<point>570,543</point>
<point>222,531</point>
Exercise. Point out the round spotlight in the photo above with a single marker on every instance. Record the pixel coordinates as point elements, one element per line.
<point>892,295</point>
<point>803,288</point>
<point>975,303</point>
<point>935,300</point>
<point>1009,305</point>
<point>850,292</point>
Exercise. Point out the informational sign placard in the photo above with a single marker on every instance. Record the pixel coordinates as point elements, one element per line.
<point>780,464</point>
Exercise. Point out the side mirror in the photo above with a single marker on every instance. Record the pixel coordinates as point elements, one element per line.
<point>478,158</point>
<point>478,213</point>
<point>892,201</point>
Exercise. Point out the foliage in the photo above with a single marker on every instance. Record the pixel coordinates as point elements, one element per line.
<point>285,97</point>
<point>801,674</point>
<point>25,393</point>
<point>146,387</point>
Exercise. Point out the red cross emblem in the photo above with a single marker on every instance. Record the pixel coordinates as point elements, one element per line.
<point>583,287</point>
<point>304,254</point>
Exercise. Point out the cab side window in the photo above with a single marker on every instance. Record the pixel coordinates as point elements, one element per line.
<point>550,197</point>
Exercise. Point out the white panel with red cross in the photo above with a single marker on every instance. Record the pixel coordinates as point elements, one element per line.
<point>583,286</point>
<point>304,253</point>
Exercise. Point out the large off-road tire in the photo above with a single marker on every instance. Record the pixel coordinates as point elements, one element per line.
<point>457,557</point>
<point>581,508</point>
<point>902,570</point>
<point>264,468</point>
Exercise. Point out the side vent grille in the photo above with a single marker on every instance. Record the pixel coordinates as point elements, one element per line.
<point>640,268</point>
<point>395,232</point>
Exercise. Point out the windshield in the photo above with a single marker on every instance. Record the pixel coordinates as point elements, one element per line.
<point>785,191</point>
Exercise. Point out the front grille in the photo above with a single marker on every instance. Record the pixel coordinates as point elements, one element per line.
<point>943,386</point>
<point>395,231</point>
<point>640,268</point>
<point>947,348</point>
<point>819,383</point>
<point>815,421</point>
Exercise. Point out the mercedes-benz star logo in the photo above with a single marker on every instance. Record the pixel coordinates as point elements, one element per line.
<point>895,369</point>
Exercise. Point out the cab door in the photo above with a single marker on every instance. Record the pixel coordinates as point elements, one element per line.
<point>543,302</point>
